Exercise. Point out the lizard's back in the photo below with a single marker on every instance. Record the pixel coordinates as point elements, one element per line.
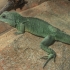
<point>39,27</point>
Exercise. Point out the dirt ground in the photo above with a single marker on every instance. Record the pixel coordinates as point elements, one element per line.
<point>22,52</point>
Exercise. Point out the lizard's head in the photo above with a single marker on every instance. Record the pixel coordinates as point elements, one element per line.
<point>12,18</point>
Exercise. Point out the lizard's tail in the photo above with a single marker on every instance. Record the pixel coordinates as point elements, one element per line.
<point>61,36</point>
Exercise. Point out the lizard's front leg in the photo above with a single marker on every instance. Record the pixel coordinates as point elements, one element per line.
<point>49,40</point>
<point>21,28</point>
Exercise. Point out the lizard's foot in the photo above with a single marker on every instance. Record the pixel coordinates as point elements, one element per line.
<point>48,58</point>
<point>17,33</point>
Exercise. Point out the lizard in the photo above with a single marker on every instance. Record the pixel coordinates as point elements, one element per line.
<point>39,28</point>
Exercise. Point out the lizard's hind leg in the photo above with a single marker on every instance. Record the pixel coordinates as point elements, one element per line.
<point>48,40</point>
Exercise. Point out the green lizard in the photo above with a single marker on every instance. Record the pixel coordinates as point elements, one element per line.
<point>39,28</point>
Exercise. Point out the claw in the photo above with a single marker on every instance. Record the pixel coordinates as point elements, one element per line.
<point>49,58</point>
<point>46,62</point>
<point>44,57</point>
<point>54,57</point>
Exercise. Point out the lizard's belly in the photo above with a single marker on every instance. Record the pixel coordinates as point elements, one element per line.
<point>38,33</point>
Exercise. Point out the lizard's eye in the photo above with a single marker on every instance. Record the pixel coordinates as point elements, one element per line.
<point>4,16</point>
